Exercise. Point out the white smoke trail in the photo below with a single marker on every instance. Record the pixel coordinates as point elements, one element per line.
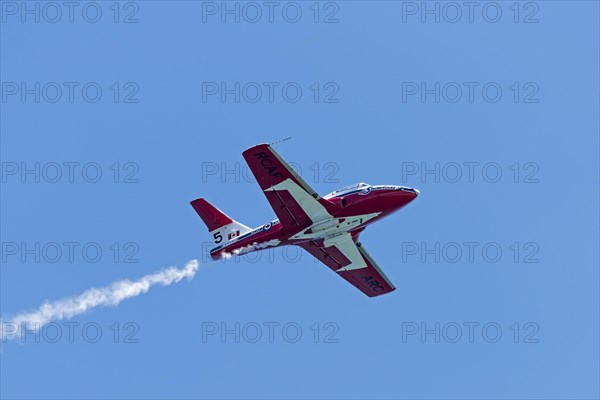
<point>249,248</point>
<point>110,295</point>
<point>238,251</point>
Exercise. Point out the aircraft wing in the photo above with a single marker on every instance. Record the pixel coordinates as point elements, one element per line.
<point>351,261</point>
<point>295,203</point>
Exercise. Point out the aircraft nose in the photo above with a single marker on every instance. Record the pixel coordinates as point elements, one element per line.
<point>405,195</point>
<point>412,191</point>
<point>398,198</point>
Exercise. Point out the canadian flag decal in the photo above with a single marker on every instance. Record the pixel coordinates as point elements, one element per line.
<point>233,234</point>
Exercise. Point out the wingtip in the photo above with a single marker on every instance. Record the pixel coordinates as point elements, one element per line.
<point>266,144</point>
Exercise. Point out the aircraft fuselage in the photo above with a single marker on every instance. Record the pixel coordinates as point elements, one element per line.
<point>354,209</point>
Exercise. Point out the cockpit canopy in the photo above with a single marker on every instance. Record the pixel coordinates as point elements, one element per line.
<point>347,189</point>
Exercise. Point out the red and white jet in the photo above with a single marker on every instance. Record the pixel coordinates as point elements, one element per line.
<point>327,227</point>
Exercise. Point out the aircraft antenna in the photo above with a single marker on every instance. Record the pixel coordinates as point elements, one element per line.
<point>281,140</point>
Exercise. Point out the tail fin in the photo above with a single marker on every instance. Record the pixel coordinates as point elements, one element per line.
<point>221,227</point>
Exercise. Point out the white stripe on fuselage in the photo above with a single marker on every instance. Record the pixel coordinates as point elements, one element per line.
<point>324,225</point>
<point>332,226</point>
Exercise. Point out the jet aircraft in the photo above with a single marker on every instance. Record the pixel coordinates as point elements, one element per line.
<point>328,227</point>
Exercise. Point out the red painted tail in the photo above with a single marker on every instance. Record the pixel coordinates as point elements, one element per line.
<point>212,216</point>
<point>222,228</point>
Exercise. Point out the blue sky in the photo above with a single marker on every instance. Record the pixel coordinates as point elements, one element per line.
<point>491,112</point>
